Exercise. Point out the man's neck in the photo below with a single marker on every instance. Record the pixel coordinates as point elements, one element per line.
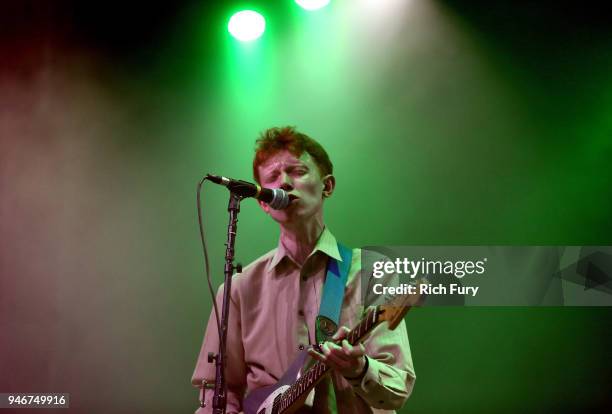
<point>300,240</point>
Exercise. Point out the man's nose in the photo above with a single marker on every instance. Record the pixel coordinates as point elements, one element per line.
<point>286,183</point>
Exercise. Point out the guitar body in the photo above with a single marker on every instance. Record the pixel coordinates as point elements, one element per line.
<point>261,400</point>
<point>291,391</point>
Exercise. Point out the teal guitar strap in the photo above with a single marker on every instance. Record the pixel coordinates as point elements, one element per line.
<point>333,295</point>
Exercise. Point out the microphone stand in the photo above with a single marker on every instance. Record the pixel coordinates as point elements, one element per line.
<point>220,395</point>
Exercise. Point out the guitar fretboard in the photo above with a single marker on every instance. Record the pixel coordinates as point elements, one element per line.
<point>309,378</point>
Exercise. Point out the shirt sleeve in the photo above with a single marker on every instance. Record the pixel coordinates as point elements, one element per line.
<point>390,376</point>
<point>235,370</point>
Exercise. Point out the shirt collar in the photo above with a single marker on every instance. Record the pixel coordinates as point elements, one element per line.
<point>326,244</point>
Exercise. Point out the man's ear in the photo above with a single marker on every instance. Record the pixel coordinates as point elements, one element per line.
<point>264,207</point>
<point>329,184</point>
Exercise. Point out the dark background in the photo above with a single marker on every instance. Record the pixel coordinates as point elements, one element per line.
<point>448,123</point>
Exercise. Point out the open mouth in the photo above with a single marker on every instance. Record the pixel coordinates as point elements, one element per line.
<point>293,198</point>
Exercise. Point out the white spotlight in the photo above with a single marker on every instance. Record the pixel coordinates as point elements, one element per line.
<point>247,25</point>
<point>312,4</point>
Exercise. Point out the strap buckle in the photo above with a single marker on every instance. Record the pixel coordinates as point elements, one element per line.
<point>326,328</point>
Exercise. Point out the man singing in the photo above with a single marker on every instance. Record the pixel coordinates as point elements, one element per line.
<point>276,299</point>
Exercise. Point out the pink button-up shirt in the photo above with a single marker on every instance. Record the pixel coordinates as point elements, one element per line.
<point>272,317</point>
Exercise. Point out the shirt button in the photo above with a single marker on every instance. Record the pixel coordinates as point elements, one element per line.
<point>301,347</point>
<point>304,278</point>
<point>301,312</point>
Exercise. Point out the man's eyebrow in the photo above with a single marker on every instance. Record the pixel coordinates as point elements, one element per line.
<point>269,171</point>
<point>275,167</point>
<point>270,168</point>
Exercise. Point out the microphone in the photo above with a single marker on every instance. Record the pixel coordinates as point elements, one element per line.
<point>276,198</point>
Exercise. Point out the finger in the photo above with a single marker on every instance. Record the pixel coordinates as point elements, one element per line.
<point>331,348</point>
<point>333,356</point>
<point>334,352</point>
<point>352,351</point>
<point>337,362</point>
<point>328,348</point>
<point>316,355</point>
<point>341,333</point>
<point>352,356</point>
<point>346,347</point>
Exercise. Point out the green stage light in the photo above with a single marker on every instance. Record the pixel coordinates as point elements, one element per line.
<point>246,25</point>
<point>312,4</point>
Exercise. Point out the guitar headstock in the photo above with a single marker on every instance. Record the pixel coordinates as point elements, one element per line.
<point>394,311</point>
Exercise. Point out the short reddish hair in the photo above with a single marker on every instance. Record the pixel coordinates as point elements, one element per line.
<point>287,138</point>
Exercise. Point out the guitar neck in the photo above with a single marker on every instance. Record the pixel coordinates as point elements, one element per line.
<point>315,373</point>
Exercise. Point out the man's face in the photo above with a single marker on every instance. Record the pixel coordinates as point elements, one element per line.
<point>298,176</point>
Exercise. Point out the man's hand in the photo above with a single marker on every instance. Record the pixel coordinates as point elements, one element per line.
<point>347,359</point>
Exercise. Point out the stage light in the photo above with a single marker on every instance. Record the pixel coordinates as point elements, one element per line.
<point>312,4</point>
<point>246,25</point>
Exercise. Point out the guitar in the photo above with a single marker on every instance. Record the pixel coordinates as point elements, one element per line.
<point>291,391</point>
